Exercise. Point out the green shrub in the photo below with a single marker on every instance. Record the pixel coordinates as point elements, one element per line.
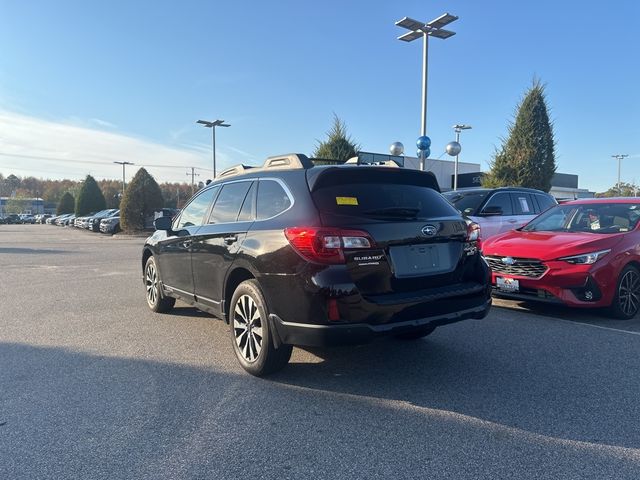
<point>141,198</point>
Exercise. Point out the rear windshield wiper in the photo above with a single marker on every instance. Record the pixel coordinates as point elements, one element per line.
<point>401,212</point>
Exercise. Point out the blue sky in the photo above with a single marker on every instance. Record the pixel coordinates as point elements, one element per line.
<point>99,81</point>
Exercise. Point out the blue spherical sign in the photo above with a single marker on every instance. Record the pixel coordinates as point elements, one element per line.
<point>426,153</point>
<point>423,143</point>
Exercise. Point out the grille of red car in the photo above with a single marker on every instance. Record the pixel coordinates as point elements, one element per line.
<point>524,267</point>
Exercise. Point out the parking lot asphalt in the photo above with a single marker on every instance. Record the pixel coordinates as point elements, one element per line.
<point>95,385</point>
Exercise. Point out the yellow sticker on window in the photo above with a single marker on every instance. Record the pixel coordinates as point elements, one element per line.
<point>346,200</point>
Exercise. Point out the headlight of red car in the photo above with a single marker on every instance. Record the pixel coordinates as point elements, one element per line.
<point>586,258</point>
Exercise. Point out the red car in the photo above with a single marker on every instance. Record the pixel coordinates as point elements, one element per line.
<point>584,253</point>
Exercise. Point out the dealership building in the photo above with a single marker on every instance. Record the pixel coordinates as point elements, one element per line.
<point>564,186</point>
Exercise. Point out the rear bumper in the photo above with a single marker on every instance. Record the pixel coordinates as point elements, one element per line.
<point>357,333</point>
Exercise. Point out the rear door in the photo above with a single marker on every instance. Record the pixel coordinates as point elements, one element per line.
<point>497,215</point>
<point>216,244</point>
<point>419,237</point>
<point>524,209</point>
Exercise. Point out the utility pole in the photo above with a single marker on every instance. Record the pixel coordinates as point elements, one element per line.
<point>123,166</point>
<point>193,176</point>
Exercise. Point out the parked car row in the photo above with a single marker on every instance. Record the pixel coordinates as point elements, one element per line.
<point>105,221</point>
<point>90,222</point>
<point>19,218</point>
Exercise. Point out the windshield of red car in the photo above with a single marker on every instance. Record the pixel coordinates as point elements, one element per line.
<point>590,218</point>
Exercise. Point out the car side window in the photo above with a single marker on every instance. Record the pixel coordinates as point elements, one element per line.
<point>228,203</point>
<point>500,202</point>
<point>272,199</point>
<point>193,214</point>
<point>544,202</point>
<point>523,204</point>
<point>248,210</point>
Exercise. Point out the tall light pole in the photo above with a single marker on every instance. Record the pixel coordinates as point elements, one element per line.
<point>212,126</point>
<point>123,166</point>
<point>620,157</point>
<point>425,30</point>
<point>458,128</point>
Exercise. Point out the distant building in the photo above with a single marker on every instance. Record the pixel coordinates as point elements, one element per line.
<point>31,206</point>
<point>444,169</point>
<point>564,186</point>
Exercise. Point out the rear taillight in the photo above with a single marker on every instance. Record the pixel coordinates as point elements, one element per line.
<point>326,245</point>
<point>473,233</point>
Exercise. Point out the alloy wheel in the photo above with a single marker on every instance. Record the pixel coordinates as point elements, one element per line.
<point>629,293</point>
<point>247,328</point>
<point>151,281</point>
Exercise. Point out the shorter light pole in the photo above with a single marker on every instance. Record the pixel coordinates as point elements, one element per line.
<point>212,126</point>
<point>620,157</point>
<point>458,128</point>
<point>123,178</point>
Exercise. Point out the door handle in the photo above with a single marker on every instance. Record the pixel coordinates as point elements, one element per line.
<point>230,239</point>
<point>512,221</point>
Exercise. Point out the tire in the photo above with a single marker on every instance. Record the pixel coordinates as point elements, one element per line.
<point>416,334</point>
<point>155,298</point>
<point>626,301</point>
<point>251,334</point>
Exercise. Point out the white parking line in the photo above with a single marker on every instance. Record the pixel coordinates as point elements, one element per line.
<point>604,328</point>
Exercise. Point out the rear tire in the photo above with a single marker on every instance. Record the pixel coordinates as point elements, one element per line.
<point>626,301</point>
<point>416,334</point>
<point>251,334</point>
<point>155,298</point>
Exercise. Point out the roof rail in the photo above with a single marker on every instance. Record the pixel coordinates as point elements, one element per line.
<point>235,170</point>
<point>384,163</point>
<point>290,160</point>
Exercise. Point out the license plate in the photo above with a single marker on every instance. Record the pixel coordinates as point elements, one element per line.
<point>507,284</point>
<point>419,260</point>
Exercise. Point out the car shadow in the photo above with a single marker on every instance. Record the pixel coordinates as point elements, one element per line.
<point>562,393</point>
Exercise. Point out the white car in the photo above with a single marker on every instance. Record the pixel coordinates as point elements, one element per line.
<point>499,210</point>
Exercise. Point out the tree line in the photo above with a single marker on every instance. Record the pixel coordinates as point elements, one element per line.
<point>174,194</point>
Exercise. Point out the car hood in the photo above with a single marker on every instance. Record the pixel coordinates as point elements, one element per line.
<point>547,245</point>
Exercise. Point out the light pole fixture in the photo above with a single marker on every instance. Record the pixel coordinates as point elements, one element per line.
<point>212,126</point>
<point>123,166</point>
<point>457,128</point>
<point>425,30</point>
<point>619,157</point>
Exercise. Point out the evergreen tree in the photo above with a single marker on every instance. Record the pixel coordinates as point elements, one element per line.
<point>66,205</point>
<point>339,145</point>
<point>526,158</point>
<point>141,198</point>
<point>90,198</point>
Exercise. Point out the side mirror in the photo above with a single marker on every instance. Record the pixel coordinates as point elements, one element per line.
<point>491,211</point>
<point>468,211</point>
<point>162,223</point>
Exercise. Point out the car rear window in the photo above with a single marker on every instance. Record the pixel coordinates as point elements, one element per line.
<point>467,202</point>
<point>382,201</point>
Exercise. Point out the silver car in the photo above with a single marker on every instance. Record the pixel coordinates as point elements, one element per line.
<point>499,210</point>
